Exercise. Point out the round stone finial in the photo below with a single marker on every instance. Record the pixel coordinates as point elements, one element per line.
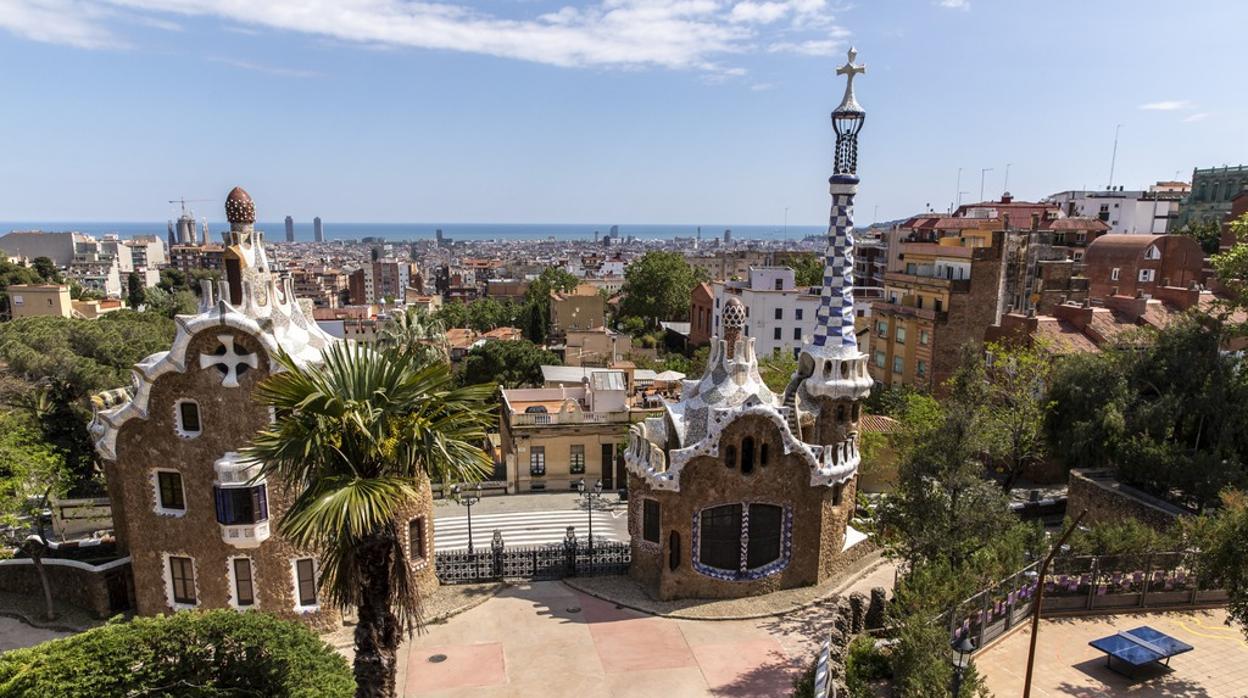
<point>734,314</point>
<point>239,208</point>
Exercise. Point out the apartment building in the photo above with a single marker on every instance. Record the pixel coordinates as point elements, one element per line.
<point>780,317</point>
<point>582,308</point>
<point>1132,265</point>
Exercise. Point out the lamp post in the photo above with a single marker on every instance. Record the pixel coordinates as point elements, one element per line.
<point>963,648</point>
<point>590,497</point>
<point>1035,611</point>
<point>468,498</point>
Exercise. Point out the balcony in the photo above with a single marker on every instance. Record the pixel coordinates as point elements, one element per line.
<point>898,310</point>
<point>897,278</point>
<point>543,419</point>
<point>242,502</point>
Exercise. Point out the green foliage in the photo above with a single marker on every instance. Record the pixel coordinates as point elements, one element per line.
<point>1090,395</point>
<point>196,654</point>
<point>776,371</point>
<point>29,467</point>
<point>1223,541</point>
<point>1207,232</point>
<point>632,326</point>
<point>863,665</point>
<point>1015,380</point>
<point>47,271</point>
<point>416,333</point>
<point>1127,537</point>
<point>68,360</point>
<point>1232,265</point>
<point>174,280</point>
<point>11,275</point>
<point>134,290</point>
<point>807,269</point>
<point>657,287</point>
<point>507,364</point>
<point>170,304</point>
<point>536,317</point>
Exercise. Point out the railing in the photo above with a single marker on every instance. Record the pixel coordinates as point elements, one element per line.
<point>571,558</point>
<point>541,419</point>
<point>1082,583</point>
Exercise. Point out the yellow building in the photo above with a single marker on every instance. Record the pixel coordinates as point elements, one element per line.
<point>552,437</point>
<point>39,300</point>
<point>582,308</point>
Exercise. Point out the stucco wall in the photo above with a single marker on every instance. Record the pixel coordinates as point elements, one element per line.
<point>1109,501</point>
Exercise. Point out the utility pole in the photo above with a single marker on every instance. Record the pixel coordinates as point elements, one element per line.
<point>1114,160</point>
<point>957,192</point>
<point>982,173</point>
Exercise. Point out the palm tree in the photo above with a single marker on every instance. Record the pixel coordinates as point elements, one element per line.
<point>415,331</point>
<point>352,440</point>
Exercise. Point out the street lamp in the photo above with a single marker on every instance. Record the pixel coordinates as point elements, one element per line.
<point>1035,610</point>
<point>964,647</point>
<point>468,498</point>
<point>589,498</point>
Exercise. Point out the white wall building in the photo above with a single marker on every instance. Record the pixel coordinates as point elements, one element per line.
<point>779,316</point>
<point>1135,212</point>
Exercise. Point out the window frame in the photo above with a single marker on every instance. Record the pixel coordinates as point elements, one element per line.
<point>158,485</point>
<point>741,571</point>
<point>651,521</point>
<point>537,461</point>
<point>179,419</point>
<point>236,583</point>
<point>418,546</point>
<point>576,459</point>
<point>179,578</point>
<point>298,581</point>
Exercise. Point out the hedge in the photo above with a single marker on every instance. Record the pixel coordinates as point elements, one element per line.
<point>196,654</point>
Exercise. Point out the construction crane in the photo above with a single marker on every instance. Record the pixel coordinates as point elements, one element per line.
<point>184,202</point>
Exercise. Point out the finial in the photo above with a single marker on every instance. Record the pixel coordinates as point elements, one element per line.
<point>849,103</point>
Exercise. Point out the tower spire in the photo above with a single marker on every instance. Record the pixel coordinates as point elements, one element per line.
<point>835,319</point>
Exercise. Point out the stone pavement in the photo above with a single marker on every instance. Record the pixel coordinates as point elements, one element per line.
<point>1066,666</point>
<point>14,634</point>
<point>545,639</point>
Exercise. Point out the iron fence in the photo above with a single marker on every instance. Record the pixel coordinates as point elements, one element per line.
<point>571,558</point>
<point>1082,583</point>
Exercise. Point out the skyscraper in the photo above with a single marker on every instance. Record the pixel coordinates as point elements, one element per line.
<point>318,233</point>
<point>290,229</point>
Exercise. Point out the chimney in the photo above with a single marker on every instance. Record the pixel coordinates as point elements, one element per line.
<point>1035,221</point>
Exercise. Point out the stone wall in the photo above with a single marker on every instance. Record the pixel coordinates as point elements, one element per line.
<point>817,520</point>
<point>83,588</point>
<point>1108,500</point>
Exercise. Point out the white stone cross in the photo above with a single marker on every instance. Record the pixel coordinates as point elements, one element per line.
<point>231,360</point>
<point>851,69</point>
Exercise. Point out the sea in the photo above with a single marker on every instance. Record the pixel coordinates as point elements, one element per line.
<point>398,232</point>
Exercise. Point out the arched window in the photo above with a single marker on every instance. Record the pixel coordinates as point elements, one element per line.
<point>673,551</point>
<point>762,453</point>
<point>837,490</point>
<point>840,413</point>
<point>857,411</point>
<point>730,456</point>
<point>747,455</point>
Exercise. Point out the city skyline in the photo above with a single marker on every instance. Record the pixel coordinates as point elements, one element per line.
<point>542,114</point>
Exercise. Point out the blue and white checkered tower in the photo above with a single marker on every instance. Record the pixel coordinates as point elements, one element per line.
<point>830,365</point>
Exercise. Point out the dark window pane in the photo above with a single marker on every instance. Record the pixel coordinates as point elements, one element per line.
<point>747,455</point>
<point>182,575</point>
<point>764,544</point>
<point>171,490</point>
<point>190,416</point>
<point>242,505</point>
<point>650,520</point>
<point>673,551</point>
<point>242,580</point>
<point>416,537</point>
<point>307,582</point>
<point>720,544</point>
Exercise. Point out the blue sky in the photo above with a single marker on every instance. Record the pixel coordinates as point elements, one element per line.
<point>629,111</point>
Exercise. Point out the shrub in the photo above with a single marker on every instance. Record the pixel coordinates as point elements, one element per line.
<point>864,664</point>
<point>196,654</point>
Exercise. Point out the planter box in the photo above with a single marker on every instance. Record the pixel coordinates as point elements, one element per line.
<point>1168,598</point>
<point>1115,600</point>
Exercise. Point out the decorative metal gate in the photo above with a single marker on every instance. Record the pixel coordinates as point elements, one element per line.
<point>570,558</point>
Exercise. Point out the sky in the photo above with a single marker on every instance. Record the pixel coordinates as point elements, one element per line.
<point>624,111</point>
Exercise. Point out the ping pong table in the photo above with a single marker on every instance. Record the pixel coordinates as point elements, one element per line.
<point>1139,647</point>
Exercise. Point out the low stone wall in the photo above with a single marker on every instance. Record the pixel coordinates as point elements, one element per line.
<point>72,582</point>
<point>1108,500</point>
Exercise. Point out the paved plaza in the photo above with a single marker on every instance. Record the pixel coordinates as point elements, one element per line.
<point>1066,666</point>
<point>527,519</point>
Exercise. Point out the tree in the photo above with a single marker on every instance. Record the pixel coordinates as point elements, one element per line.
<point>807,269</point>
<point>416,333</point>
<point>536,314</point>
<point>776,370</point>
<point>352,438</point>
<point>1206,232</point>
<point>513,364</point>
<point>1016,381</point>
<point>657,287</point>
<point>190,653</point>
<point>1232,265</point>
<point>46,269</point>
<point>1222,539</point>
<point>170,304</point>
<point>11,275</point>
<point>1090,398</point>
<point>134,290</point>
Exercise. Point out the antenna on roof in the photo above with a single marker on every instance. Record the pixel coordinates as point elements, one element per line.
<point>1114,160</point>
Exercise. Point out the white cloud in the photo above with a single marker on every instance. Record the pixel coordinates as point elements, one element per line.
<point>1201,116</point>
<point>68,22</point>
<point>814,47</point>
<point>267,69</point>
<point>955,4</point>
<point>1168,105</point>
<point>676,34</point>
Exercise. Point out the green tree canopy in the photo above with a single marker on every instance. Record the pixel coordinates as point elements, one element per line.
<point>46,269</point>
<point>509,364</point>
<point>11,275</point>
<point>1232,265</point>
<point>134,290</point>
<point>657,287</point>
<point>1222,539</point>
<point>807,269</point>
<point>190,653</point>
